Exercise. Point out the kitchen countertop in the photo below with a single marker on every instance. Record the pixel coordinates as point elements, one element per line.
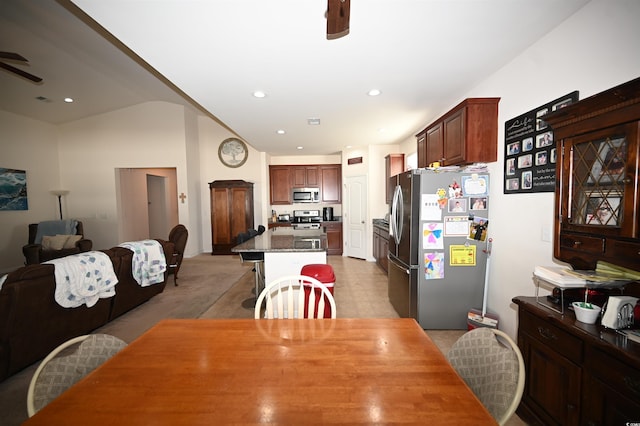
<point>381,223</point>
<point>270,242</point>
<point>272,224</point>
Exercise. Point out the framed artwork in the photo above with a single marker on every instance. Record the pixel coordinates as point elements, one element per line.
<point>13,189</point>
<point>233,152</point>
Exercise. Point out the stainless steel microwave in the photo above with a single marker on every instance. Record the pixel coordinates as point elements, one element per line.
<point>305,195</point>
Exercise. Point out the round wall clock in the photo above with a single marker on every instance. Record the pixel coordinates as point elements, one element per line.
<point>233,152</point>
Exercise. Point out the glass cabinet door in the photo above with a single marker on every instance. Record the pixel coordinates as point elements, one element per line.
<point>599,181</point>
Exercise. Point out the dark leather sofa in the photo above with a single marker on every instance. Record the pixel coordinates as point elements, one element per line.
<point>32,323</point>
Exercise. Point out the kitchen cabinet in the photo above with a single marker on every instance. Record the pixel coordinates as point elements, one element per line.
<point>576,373</point>
<point>331,183</point>
<point>466,134</point>
<point>597,199</point>
<point>326,177</point>
<point>280,184</point>
<point>231,213</point>
<point>381,245</point>
<point>334,237</point>
<point>305,177</point>
<point>393,165</point>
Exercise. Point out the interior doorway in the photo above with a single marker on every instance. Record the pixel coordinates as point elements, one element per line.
<point>147,203</point>
<point>157,206</point>
<point>356,217</point>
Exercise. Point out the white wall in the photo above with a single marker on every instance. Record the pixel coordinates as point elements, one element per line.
<point>32,146</point>
<point>90,150</point>
<point>593,50</point>
<point>253,170</point>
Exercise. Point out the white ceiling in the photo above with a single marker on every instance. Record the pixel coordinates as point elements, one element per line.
<point>424,55</point>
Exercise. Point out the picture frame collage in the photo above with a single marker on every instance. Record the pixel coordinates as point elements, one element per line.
<point>530,149</point>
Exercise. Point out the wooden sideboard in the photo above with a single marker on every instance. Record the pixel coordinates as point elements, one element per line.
<point>577,374</point>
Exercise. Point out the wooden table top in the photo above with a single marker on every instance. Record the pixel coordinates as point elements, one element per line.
<point>294,372</point>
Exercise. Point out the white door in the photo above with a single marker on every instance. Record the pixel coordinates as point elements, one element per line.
<point>356,217</point>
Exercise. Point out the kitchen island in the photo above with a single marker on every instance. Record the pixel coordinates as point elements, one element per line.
<point>285,254</point>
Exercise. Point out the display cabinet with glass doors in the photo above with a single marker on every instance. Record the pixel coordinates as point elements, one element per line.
<point>597,195</point>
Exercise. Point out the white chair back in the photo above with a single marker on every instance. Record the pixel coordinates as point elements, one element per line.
<point>492,369</point>
<point>285,298</point>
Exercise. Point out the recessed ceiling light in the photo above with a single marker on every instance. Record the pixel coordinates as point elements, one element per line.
<point>259,94</point>
<point>68,100</point>
<point>299,147</point>
<point>374,92</point>
<point>313,121</point>
<point>280,132</point>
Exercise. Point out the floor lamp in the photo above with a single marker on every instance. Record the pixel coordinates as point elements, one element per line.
<point>59,193</point>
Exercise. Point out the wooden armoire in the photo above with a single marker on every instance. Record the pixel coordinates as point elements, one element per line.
<point>231,213</point>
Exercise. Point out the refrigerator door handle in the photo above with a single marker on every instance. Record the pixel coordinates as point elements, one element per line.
<point>396,214</point>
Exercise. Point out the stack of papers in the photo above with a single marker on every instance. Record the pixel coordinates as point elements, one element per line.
<point>559,276</point>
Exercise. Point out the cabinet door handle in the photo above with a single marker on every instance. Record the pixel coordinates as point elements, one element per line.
<point>632,384</point>
<point>577,243</point>
<point>546,333</point>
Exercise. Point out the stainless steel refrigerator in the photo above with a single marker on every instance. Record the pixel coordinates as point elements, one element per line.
<point>439,231</point>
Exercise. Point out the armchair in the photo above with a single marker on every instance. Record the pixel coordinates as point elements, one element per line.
<point>36,252</point>
<point>178,236</point>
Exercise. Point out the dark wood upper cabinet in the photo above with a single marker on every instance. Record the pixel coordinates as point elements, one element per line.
<point>326,177</point>
<point>280,183</point>
<point>305,176</point>
<point>331,183</point>
<point>466,134</point>
<point>597,192</point>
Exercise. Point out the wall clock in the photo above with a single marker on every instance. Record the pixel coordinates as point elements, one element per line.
<point>233,152</point>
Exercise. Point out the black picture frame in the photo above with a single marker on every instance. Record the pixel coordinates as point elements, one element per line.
<point>528,139</point>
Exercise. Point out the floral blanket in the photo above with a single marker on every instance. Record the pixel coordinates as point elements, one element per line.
<point>149,264</point>
<point>83,279</point>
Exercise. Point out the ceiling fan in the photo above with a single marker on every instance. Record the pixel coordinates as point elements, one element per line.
<point>10,56</point>
<point>337,18</point>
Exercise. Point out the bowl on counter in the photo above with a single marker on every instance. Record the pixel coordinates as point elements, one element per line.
<point>587,313</point>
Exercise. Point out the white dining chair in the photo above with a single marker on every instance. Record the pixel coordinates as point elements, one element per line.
<point>286,297</point>
<point>66,365</point>
<point>491,364</point>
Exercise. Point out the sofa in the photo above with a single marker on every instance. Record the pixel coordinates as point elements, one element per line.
<point>32,323</point>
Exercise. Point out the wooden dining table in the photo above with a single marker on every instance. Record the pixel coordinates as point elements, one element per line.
<point>290,372</point>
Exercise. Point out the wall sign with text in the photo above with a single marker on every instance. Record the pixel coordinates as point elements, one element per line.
<point>530,150</point>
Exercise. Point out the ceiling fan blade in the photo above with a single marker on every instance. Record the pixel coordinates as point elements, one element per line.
<point>20,72</point>
<point>338,12</point>
<point>12,56</point>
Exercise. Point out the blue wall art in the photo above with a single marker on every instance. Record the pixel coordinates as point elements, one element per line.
<point>13,189</point>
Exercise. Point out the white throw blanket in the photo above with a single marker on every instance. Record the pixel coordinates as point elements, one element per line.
<point>83,278</point>
<point>149,264</point>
